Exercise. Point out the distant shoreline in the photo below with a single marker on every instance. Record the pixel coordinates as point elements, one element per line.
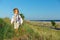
<point>45,20</point>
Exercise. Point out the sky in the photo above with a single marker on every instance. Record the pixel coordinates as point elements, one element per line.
<point>32,9</point>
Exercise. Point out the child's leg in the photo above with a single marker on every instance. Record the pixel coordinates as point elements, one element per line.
<point>16,28</point>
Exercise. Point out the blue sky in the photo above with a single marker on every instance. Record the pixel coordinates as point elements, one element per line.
<point>32,9</point>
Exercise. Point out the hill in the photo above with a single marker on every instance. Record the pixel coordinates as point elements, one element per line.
<point>28,31</point>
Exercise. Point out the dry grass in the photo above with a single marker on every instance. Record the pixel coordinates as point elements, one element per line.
<point>32,31</point>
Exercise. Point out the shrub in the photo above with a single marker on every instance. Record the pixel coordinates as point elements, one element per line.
<point>53,23</point>
<point>22,16</point>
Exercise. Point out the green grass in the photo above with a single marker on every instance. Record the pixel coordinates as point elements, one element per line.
<point>28,31</point>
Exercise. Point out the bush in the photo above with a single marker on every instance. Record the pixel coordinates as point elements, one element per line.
<point>53,23</point>
<point>22,16</point>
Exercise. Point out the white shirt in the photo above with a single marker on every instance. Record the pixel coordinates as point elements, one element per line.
<point>16,18</point>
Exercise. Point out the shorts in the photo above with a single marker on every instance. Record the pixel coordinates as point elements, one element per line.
<point>16,25</point>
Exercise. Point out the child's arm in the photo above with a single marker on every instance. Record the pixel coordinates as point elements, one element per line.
<point>12,20</point>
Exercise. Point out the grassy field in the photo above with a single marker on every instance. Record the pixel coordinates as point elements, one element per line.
<point>29,31</point>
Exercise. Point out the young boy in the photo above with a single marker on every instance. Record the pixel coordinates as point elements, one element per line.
<point>16,19</point>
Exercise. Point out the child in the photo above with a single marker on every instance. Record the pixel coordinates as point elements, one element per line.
<point>16,19</point>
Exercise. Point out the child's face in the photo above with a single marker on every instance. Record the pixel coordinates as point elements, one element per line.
<point>15,11</point>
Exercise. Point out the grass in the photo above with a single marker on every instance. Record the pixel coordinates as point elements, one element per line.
<point>28,31</point>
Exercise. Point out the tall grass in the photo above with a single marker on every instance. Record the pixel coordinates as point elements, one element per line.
<point>6,30</point>
<point>27,31</point>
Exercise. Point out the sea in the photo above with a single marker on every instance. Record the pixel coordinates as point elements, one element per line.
<point>45,20</point>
